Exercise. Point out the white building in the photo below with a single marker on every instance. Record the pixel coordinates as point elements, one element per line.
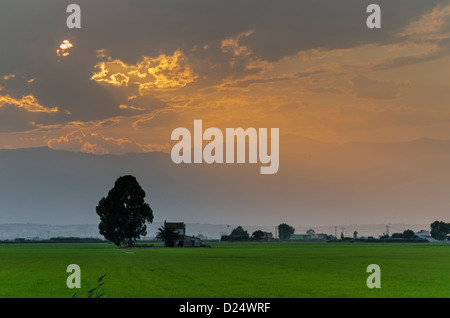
<point>425,235</point>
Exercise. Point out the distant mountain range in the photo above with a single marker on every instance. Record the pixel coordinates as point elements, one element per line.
<point>318,184</point>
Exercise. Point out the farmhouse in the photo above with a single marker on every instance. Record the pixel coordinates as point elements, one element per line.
<point>182,240</point>
<point>425,235</point>
<point>268,237</point>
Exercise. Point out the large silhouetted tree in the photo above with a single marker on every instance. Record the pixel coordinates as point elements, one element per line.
<point>124,213</point>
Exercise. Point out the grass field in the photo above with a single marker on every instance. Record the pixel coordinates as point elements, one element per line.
<point>275,270</point>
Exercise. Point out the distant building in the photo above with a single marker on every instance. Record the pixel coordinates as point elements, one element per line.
<point>201,237</point>
<point>425,235</point>
<point>182,240</point>
<point>308,237</point>
<point>268,237</point>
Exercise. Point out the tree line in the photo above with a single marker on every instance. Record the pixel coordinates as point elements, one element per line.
<point>439,231</point>
<point>239,234</point>
<point>124,213</point>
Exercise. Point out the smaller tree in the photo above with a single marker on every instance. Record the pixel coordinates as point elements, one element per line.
<point>239,234</point>
<point>439,230</point>
<point>409,234</point>
<point>166,235</point>
<point>285,231</point>
<point>438,235</point>
<point>257,235</point>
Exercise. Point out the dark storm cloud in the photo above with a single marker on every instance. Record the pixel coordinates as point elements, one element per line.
<point>281,27</point>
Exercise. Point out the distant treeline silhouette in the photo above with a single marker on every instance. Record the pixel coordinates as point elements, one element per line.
<point>59,239</point>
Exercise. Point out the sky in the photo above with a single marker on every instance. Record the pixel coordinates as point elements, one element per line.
<point>136,70</point>
<point>139,69</point>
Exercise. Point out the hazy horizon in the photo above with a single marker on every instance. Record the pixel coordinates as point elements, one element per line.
<point>315,187</point>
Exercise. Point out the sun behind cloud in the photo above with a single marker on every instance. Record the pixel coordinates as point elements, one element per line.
<point>63,49</point>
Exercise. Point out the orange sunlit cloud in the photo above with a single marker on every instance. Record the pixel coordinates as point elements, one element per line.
<point>162,72</point>
<point>123,106</point>
<point>97,143</point>
<point>429,25</point>
<point>7,77</point>
<point>231,45</point>
<point>28,102</point>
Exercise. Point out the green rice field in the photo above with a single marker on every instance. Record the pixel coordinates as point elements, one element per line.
<point>232,270</point>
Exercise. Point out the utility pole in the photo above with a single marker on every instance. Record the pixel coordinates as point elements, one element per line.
<point>387,230</point>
